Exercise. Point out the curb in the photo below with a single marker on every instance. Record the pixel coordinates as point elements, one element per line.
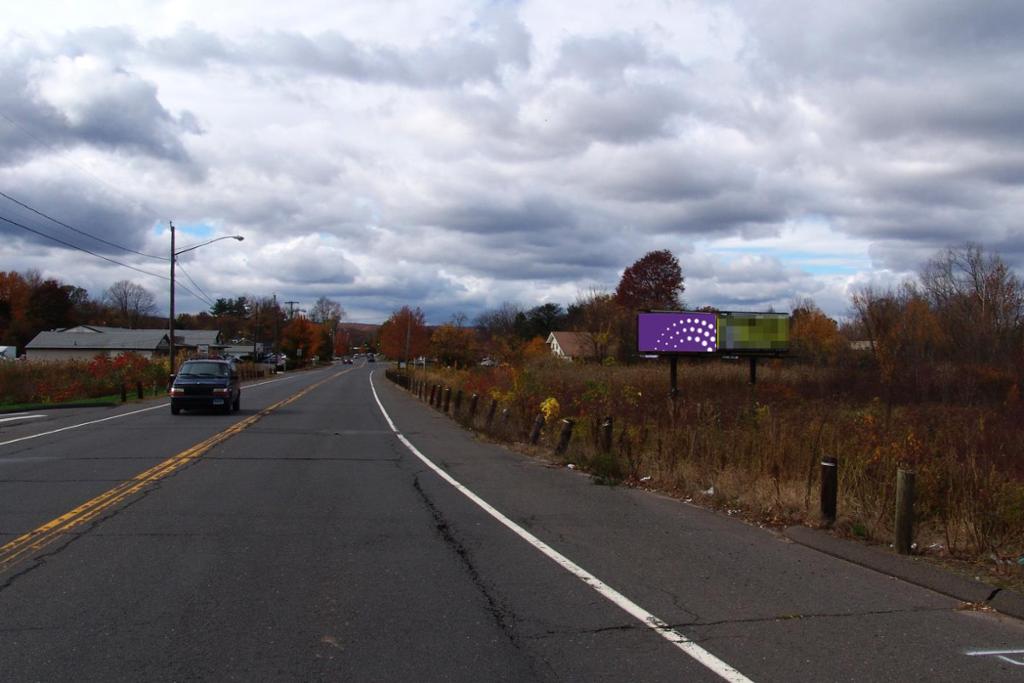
<point>910,569</point>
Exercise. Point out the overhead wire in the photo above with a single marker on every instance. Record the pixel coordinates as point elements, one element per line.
<point>68,161</point>
<point>204,296</point>
<point>92,253</point>
<point>80,232</point>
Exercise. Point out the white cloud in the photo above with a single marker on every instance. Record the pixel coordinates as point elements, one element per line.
<point>457,154</point>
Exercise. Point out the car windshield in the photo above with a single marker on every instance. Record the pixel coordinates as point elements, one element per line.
<point>204,370</point>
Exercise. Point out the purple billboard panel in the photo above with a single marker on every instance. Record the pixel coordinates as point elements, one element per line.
<point>677,332</point>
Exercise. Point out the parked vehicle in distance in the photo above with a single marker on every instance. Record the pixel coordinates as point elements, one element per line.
<point>206,383</point>
<point>369,358</point>
<point>347,361</point>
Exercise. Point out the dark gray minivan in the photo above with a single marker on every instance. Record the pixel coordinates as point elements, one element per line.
<point>206,383</point>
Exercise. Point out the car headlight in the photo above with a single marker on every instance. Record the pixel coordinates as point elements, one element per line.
<point>222,390</point>
<point>177,391</point>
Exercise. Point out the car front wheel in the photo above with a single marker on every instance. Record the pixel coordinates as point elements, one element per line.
<point>175,409</point>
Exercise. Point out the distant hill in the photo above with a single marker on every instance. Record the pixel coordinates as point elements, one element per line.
<point>359,327</point>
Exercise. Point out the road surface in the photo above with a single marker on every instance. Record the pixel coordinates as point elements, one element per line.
<point>338,529</point>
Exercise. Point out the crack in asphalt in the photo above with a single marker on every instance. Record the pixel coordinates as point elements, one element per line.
<point>41,560</point>
<point>680,626</point>
<point>506,621</point>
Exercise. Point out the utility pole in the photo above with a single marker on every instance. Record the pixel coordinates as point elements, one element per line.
<point>171,322</point>
<point>255,330</point>
<point>408,332</point>
<point>277,319</point>
<point>291,308</point>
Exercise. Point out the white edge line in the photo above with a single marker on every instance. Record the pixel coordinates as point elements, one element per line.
<point>652,622</point>
<point>116,417</point>
<point>11,418</point>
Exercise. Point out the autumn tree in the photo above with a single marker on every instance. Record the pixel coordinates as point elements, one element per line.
<point>454,345</point>
<point>979,301</point>
<point>506,321</point>
<point>813,335</point>
<point>655,281</point>
<point>129,302</point>
<point>326,312</point>
<point>605,324</point>
<point>300,339</point>
<point>51,305</point>
<point>404,329</point>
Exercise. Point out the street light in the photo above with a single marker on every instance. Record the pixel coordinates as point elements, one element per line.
<point>174,257</point>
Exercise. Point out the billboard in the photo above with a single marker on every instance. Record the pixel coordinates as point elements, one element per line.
<point>753,333</point>
<point>698,332</point>
<point>677,332</point>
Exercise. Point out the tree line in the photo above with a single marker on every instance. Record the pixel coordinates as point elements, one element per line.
<point>955,331</point>
<point>30,304</point>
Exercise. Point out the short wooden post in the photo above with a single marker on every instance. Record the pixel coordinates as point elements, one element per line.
<point>491,411</point>
<point>829,489</point>
<point>606,434</point>
<point>433,390</point>
<point>457,406</point>
<point>138,389</point>
<point>124,392</point>
<point>538,424</point>
<point>447,398</point>
<point>564,436</point>
<point>904,511</point>
<point>473,401</point>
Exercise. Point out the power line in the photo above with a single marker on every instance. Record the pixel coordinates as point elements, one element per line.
<point>204,296</point>
<point>91,253</point>
<point>68,161</point>
<point>81,232</point>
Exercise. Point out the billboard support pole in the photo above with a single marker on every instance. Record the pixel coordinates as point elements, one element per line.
<point>673,375</point>
<point>753,370</point>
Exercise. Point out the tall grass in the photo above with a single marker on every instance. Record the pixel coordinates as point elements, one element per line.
<point>758,449</point>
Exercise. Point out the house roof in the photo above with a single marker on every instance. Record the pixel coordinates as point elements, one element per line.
<point>100,340</point>
<point>102,337</point>
<point>197,337</point>
<point>574,344</point>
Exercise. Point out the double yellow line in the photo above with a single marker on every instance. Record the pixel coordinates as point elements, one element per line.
<point>28,544</point>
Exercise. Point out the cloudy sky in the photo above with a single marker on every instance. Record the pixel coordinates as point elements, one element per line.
<point>454,155</point>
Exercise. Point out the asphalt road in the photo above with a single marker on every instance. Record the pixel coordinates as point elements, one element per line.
<point>303,539</point>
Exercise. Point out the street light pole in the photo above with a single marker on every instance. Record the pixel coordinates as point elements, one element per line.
<point>174,256</point>
<point>171,347</point>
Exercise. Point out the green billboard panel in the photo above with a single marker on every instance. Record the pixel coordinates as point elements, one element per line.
<point>753,333</point>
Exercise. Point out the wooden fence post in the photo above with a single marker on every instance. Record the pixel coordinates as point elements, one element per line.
<point>829,489</point>
<point>564,436</point>
<point>904,511</point>
<point>538,424</point>
<point>606,434</point>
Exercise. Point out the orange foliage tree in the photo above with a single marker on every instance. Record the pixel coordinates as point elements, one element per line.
<point>404,324</point>
<point>454,345</point>
<point>300,338</point>
<point>813,335</point>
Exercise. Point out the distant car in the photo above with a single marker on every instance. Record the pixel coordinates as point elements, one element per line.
<point>206,383</point>
<point>347,361</point>
<point>369,358</point>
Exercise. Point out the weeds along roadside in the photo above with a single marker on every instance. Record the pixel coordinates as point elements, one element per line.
<point>70,380</point>
<point>757,451</point>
